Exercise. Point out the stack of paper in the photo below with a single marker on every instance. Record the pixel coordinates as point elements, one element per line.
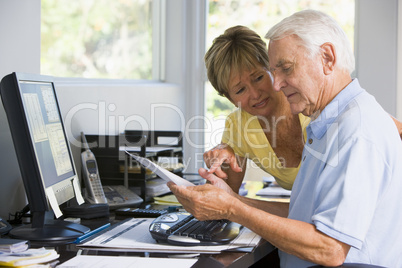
<point>274,191</point>
<point>168,200</point>
<point>123,262</point>
<point>156,187</point>
<point>28,257</point>
<point>12,245</point>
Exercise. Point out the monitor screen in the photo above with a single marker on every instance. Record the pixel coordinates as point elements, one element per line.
<point>43,153</point>
<point>47,132</point>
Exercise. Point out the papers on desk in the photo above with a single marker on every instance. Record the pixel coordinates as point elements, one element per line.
<point>87,261</point>
<point>8,245</point>
<point>161,172</point>
<point>167,200</point>
<point>274,191</point>
<point>133,235</point>
<point>31,256</point>
<point>156,149</point>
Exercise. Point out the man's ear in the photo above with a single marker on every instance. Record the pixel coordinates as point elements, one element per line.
<point>328,57</point>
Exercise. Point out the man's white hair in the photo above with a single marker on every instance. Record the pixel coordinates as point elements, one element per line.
<point>314,28</point>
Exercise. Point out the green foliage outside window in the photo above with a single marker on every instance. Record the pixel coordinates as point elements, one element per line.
<point>97,38</point>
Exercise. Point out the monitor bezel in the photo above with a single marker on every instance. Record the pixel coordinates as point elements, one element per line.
<point>44,229</point>
<point>34,183</point>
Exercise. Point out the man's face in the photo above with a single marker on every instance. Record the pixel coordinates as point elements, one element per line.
<point>299,77</point>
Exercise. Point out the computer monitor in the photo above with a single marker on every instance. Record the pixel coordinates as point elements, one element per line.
<point>44,156</point>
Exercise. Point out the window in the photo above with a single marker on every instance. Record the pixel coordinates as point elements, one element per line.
<point>259,16</point>
<point>99,39</point>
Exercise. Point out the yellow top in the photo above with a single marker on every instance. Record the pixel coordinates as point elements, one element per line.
<point>244,134</point>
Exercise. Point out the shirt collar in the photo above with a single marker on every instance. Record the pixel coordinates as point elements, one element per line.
<point>320,125</point>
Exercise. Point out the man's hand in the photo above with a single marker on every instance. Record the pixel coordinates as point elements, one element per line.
<point>216,181</point>
<point>206,202</point>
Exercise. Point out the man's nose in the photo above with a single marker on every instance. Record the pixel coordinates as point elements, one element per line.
<point>278,82</point>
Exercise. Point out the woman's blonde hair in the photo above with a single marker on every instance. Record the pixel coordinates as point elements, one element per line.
<point>237,49</point>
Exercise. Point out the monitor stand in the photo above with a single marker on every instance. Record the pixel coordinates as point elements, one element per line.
<point>45,231</point>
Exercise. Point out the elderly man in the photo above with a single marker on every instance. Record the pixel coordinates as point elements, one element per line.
<point>345,200</point>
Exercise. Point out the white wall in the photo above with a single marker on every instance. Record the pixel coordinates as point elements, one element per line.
<point>399,63</point>
<point>376,50</point>
<point>108,108</point>
<point>19,51</point>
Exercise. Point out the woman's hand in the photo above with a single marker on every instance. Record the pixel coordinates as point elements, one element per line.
<point>218,155</point>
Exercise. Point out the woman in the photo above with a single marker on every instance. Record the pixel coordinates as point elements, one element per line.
<point>263,128</point>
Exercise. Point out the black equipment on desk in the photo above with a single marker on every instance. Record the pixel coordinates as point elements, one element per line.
<point>4,227</point>
<point>181,228</point>
<point>123,213</point>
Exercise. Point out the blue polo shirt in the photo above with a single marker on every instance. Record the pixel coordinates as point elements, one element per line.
<point>350,180</point>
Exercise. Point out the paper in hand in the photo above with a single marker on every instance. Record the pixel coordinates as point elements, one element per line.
<point>161,172</point>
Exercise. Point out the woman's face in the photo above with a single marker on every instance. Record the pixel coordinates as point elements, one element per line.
<point>252,91</point>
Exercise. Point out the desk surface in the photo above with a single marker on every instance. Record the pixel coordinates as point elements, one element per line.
<point>223,259</point>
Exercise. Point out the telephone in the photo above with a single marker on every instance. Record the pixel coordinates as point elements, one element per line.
<point>116,195</point>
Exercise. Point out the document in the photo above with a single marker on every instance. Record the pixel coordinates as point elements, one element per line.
<point>31,256</point>
<point>274,191</point>
<point>148,149</point>
<point>161,172</point>
<point>9,245</point>
<point>90,261</point>
<point>167,200</point>
<point>133,236</point>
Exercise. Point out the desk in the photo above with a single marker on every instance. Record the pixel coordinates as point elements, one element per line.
<point>224,259</point>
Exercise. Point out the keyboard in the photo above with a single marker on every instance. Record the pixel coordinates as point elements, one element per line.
<point>181,228</point>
